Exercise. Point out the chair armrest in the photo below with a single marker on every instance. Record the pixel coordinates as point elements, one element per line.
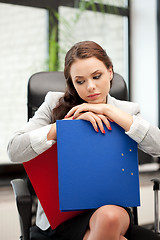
<point>156,184</point>
<point>24,205</point>
<point>156,188</point>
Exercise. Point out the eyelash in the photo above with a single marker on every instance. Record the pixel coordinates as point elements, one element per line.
<point>97,76</point>
<point>82,81</point>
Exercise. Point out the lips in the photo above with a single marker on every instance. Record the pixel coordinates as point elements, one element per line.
<point>93,95</point>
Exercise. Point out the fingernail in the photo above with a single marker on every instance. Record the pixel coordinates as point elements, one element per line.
<point>104,131</point>
<point>66,116</point>
<point>109,128</point>
<point>97,130</point>
<point>111,120</point>
<point>72,117</point>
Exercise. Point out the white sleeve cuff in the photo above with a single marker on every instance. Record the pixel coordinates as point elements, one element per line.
<point>39,140</point>
<point>138,129</point>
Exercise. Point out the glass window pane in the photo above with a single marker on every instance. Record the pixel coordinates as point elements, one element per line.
<point>118,3</point>
<point>110,31</point>
<point>23,48</point>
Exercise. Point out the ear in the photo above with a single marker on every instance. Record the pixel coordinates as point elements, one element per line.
<point>110,71</point>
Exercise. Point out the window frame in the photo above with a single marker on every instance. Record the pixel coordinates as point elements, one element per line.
<point>9,171</point>
<point>54,5</point>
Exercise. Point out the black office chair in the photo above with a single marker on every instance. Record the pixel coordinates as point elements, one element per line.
<point>26,200</point>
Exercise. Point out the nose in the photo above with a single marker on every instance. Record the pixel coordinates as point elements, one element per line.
<point>91,85</point>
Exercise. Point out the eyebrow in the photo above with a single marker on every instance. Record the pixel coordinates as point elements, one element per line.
<point>95,72</point>
<point>80,77</point>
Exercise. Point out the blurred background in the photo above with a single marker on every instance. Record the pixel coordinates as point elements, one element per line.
<point>35,35</point>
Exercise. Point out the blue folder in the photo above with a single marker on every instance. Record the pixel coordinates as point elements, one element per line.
<point>95,169</point>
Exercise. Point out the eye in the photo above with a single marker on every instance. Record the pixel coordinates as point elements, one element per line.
<point>80,82</point>
<point>97,76</point>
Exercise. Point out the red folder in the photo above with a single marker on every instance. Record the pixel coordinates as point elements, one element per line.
<point>43,174</point>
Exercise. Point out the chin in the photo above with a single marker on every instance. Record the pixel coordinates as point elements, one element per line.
<point>95,102</point>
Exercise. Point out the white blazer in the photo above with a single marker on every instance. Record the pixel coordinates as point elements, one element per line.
<point>31,140</point>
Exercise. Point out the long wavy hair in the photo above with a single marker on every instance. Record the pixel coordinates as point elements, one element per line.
<point>80,50</point>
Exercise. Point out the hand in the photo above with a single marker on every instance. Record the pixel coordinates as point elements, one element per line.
<point>97,120</point>
<point>86,107</point>
<point>108,111</point>
<point>52,134</point>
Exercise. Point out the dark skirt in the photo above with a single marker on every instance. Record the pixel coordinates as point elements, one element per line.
<point>72,229</point>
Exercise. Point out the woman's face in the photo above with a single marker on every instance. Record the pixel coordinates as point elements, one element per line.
<point>91,79</point>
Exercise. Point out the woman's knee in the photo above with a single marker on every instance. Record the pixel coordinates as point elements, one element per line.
<point>106,217</point>
<point>109,222</point>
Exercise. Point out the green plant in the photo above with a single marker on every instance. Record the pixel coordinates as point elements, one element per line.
<point>55,18</point>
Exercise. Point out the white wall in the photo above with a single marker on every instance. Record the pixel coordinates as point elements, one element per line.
<point>144,58</point>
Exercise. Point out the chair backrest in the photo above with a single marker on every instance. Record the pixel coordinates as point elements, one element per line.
<point>43,82</point>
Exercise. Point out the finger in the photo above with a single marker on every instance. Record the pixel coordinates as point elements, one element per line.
<point>105,121</point>
<point>97,120</point>
<point>84,107</point>
<point>109,119</point>
<point>89,117</point>
<point>87,107</point>
<point>72,111</point>
<point>67,118</point>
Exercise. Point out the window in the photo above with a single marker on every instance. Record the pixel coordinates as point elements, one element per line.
<point>109,30</point>
<point>24,50</point>
<point>25,32</point>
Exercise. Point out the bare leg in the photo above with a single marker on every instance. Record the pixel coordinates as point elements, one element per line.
<point>108,223</point>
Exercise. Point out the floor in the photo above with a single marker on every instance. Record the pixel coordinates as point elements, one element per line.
<point>9,221</point>
<point>146,210</point>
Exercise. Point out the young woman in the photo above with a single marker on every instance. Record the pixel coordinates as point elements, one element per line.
<point>89,73</point>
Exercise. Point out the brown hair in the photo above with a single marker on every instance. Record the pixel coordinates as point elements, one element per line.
<point>85,49</point>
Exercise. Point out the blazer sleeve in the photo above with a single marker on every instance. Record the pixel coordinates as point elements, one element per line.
<point>31,140</point>
<point>146,135</point>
